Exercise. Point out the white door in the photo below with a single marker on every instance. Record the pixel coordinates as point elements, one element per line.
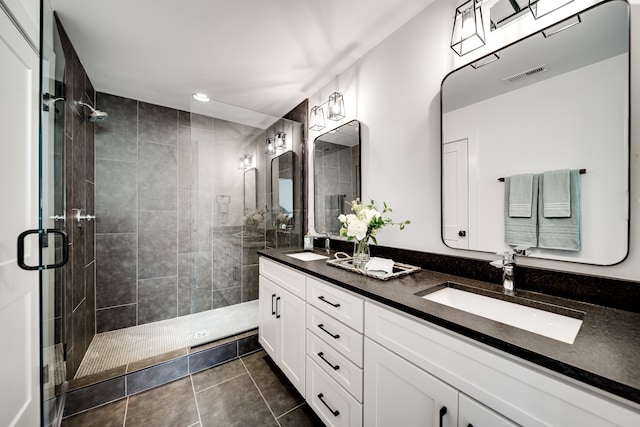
<point>398,393</point>
<point>455,194</point>
<point>19,300</point>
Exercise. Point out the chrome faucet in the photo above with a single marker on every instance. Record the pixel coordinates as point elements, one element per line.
<point>327,240</point>
<point>508,264</point>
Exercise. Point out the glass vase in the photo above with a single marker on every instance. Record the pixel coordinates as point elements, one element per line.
<point>360,253</point>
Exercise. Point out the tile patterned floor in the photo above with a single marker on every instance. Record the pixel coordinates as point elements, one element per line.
<point>250,391</point>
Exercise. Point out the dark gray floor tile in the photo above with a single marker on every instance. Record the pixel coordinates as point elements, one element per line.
<point>157,375</point>
<point>234,403</point>
<point>217,375</point>
<point>302,416</point>
<point>111,415</point>
<point>97,377</point>
<point>171,405</point>
<point>280,394</point>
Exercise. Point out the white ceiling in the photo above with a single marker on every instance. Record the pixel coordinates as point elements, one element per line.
<point>257,59</point>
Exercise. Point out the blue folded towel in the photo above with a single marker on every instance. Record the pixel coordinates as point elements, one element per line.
<point>521,195</point>
<point>556,196</point>
<point>558,232</point>
<point>521,230</point>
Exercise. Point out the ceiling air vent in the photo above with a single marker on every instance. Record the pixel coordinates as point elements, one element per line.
<point>525,74</point>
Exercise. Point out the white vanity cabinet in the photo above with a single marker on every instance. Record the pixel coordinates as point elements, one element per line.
<point>492,388</point>
<point>282,319</point>
<point>335,320</point>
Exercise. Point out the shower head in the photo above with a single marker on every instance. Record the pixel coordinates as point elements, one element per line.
<point>95,115</point>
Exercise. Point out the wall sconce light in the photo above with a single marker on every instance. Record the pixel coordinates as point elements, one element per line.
<point>335,107</point>
<point>316,118</point>
<point>540,8</point>
<point>246,161</point>
<point>468,28</point>
<point>270,148</point>
<point>281,141</point>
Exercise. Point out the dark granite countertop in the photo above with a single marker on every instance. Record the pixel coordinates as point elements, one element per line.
<point>605,354</point>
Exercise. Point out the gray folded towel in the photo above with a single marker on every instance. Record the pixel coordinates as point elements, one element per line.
<point>521,196</point>
<point>556,197</point>
<point>557,232</point>
<point>521,230</point>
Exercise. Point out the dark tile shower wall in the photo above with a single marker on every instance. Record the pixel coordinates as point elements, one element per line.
<point>79,274</point>
<point>164,248</point>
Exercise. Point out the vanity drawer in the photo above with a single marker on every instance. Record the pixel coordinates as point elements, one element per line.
<point>344,306</point>
<point>288,278</point>
<point>331,402</point>
<point>338,335</point>
<point>339,368</point>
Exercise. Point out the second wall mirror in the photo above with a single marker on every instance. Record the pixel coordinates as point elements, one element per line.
<point>336,165</point>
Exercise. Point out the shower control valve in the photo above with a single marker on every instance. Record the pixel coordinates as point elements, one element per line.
<point>81,216</point>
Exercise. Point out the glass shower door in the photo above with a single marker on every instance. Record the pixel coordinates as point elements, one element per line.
<point>52,199</point>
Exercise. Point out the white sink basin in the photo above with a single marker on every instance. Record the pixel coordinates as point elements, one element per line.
<point>551,325</point>
<point>307,256</point>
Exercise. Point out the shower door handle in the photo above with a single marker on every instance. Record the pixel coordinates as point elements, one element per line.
<point>42,234</point>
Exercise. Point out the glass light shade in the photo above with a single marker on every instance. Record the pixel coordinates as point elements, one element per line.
<point>281,141</point>
<point>316,118</point>
<point>468,28</point>
<point>335,107</point>
<point>540,8</point>
<point>270,148</point>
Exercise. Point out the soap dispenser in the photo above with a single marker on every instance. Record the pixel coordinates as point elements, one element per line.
<point>308,241</point>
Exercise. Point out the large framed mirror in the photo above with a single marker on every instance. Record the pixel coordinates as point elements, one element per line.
<point>555,100</point>
<point>282,190</point>
<point>336,165</point>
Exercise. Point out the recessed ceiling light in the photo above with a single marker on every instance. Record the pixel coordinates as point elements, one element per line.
<point>202,97</point>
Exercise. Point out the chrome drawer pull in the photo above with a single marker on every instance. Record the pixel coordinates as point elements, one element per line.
<point>321,298</point>
<point>335,413</point>
<point>335,337</point>
<point>321,356</point>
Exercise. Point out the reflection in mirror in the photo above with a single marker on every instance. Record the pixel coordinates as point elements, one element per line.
<point>547,103</point>
<point>282,195</point>
<point>250,182</point>
<point>336,165</point>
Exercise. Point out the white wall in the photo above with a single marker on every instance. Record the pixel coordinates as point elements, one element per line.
<point>394,92</point>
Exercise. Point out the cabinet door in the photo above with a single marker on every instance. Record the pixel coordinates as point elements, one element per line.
<point>397,393</point>
<point>291,310</point>
<point>268,326</point>
<point>474,414</point>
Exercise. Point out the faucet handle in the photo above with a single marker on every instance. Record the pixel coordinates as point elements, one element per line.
<point>497,263</point>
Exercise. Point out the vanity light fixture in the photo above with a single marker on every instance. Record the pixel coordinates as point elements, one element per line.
<point>316,118</point>
<point>246,162</point>
<point>468,28</point>
<point>202,97</point>
<point>561,26</point>
<point>270,148</point>
<point>335,107</point>
<point>540,8</point>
